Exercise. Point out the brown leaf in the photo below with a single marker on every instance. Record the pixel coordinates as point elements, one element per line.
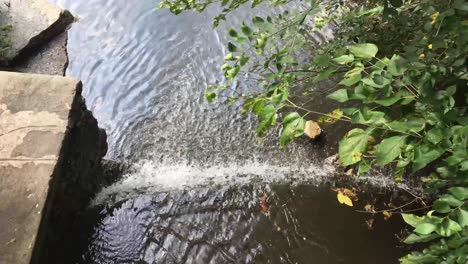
<point>370,224</point>
<point>264,208</point>
<point>312,129</point>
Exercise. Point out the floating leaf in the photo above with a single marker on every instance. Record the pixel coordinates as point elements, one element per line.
<point>343,199</point>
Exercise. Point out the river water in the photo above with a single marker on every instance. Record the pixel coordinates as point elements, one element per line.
<point>200,188</point>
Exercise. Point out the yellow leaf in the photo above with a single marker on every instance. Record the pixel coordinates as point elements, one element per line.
<point>434,17</point>
<point>387,214</point>
<point>343,199</point>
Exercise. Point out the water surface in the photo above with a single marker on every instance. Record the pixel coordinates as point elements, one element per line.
<point>200,188</point>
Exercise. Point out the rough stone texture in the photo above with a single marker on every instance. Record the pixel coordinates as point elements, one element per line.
<point>48,143</point>
<point>50,58</point>
<point>33,23</point>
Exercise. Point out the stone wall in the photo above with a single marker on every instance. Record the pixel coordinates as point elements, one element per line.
<point>50,152</point>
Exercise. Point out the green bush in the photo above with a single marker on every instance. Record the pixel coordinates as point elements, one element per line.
<point>402,62</point>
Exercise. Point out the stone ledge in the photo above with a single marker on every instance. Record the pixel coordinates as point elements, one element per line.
<point>47,139</point>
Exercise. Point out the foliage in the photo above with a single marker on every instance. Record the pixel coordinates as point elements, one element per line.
<point>400,67</point>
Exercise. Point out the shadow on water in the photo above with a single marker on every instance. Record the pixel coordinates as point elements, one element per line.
<point>199,187</point>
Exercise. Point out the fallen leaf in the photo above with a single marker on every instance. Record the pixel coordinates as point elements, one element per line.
<point>387,215</point>
<point>349,193</point>
<point>369,208</point>
<point>312,129</point>
<point>370,224</point>
<point>264,205</point>
<point>349,172</point>
<point>343,199</point>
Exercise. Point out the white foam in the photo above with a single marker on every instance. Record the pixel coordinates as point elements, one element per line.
<point>151,176</point>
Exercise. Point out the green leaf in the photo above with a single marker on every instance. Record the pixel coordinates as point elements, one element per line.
<point>425,228</point>
<point>352,77</point>
<point>293,126</point>
<point>425,154</point>
<point>232,47</point>
<point>233,33</point>
<point>257,21</point>
<point>246,30</point>
<point>352,146</point>
<point>364,50</point>
<point>366,116</point>
<point>389,149</point>
<point>412,124</point>
<point>340,95</point>
<point>229,57</point>
<point>210,96</point>
<point>396,66</point>
<point>267,118</point>
<point>461,5</point>
<point>363,167</point>
<point>450,200</point>
<point>462,217</point>
<point>413,238</point>
<point>243,60</point>
<point>344,59</point>
<point>232,73</point>
<point>448,227</point>
<point>435,135</point>
<point>460,193</point>
<point>388,101</point>
<point>412,219</point>
<point>441,207</point>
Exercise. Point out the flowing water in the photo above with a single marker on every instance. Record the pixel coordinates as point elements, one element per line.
<point>200,188</point>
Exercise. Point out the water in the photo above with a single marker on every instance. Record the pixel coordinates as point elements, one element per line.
<point>201,188</point>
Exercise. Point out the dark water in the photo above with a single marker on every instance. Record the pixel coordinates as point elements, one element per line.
<point>198,174</point>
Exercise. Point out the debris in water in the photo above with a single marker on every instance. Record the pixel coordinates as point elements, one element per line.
<point>370,224</point>
<point>264,205</point>
<point>344,196</point>
<point>387,215</point>
<point>312,129</point>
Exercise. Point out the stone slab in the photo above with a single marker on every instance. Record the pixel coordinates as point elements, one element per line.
<point>34,111</point>
<point>33,23</point>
